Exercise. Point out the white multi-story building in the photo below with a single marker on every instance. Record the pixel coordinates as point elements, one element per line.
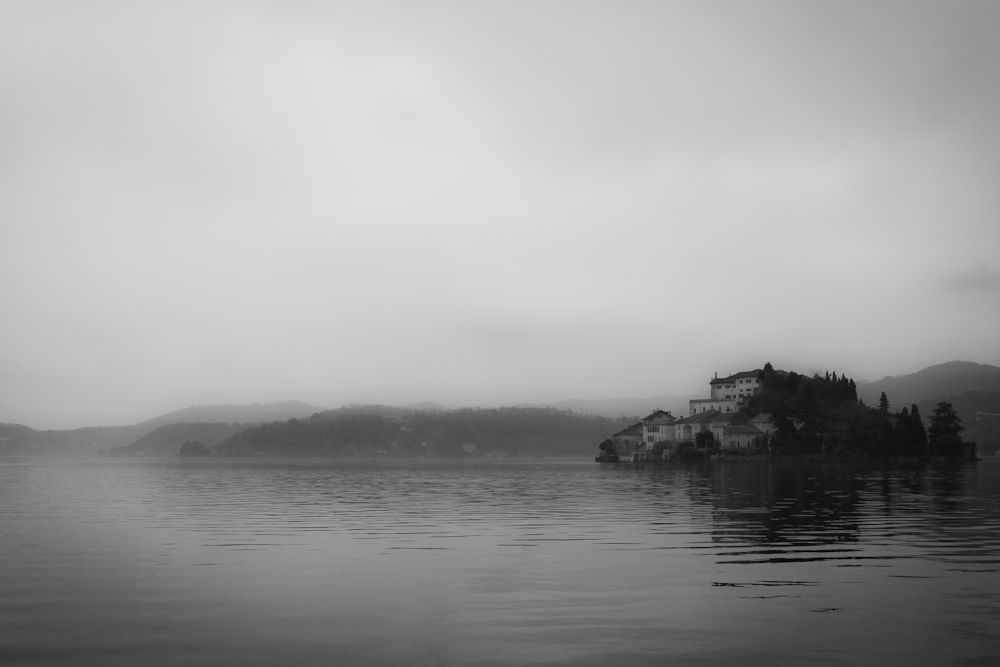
<point>728,394</point>
<point>657,427</point>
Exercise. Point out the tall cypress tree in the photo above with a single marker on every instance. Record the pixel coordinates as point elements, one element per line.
<point>918,433</point>
<point>902,433</point>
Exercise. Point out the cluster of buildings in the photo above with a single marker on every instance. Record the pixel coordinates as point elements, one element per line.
<point>661,433</point>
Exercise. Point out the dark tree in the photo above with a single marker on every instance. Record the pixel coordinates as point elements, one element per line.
<point>704,439</point>
<point>901,434</point>
<point>883,402</point>
<point>945,431</point>
<point>884,444</point>
<point>810,411</point>
<point>947,445</point>
<point>918,433</point>
<point>945,421</point>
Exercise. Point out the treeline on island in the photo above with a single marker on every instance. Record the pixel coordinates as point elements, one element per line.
<point>822,414</point>
<point>386,431</point>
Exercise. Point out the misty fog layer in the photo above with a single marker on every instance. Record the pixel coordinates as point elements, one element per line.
<point>486,204</point>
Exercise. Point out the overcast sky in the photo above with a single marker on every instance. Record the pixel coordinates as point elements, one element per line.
<point>486,203</point>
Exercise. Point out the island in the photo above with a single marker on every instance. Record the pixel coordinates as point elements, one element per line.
<point>767,413</point>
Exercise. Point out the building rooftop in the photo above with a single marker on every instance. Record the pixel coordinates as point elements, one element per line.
<point>658,414</point>
<point>734,418</point>
<point>737,376</point>
<point>634,429</point>
<point>700,417</point>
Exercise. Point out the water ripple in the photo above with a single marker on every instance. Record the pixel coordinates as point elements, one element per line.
<point>488,561</point>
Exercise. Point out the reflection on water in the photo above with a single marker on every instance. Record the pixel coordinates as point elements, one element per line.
<point>497,562</point>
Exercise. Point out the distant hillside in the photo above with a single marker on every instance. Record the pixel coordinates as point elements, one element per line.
<point>19,440</point>
<point>388,431</point>
<point>428,405</point>
<point>246,414</point>
<point>968,386</point>
<point>372,409</point>
<point>618,407</point>
<point>948,379</point>
<point>167,440</point>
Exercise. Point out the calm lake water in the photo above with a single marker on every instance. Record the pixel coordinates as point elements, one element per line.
<point>507,562</point>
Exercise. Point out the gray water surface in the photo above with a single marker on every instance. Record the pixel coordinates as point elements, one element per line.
<point>497,562</point>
